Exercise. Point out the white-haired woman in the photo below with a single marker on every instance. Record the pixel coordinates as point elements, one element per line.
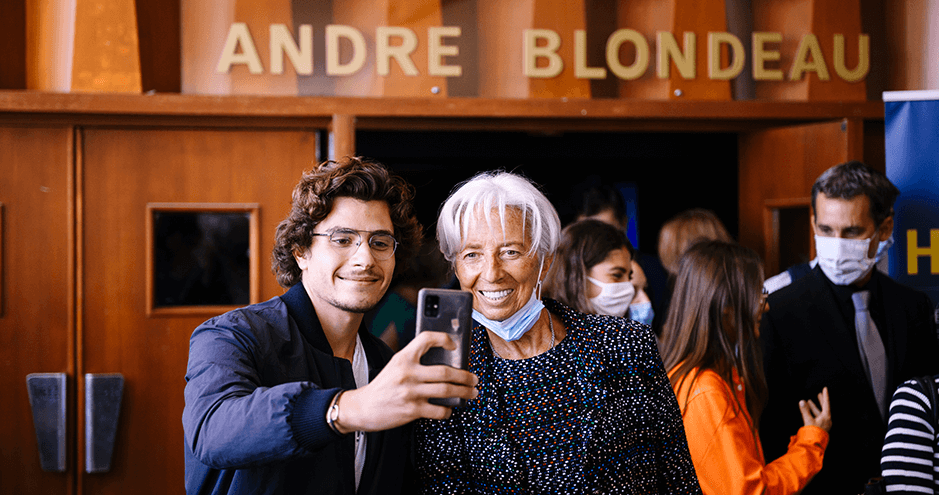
<point>568,402</point>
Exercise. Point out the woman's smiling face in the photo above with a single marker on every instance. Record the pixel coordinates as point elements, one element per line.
<point>495,265</point>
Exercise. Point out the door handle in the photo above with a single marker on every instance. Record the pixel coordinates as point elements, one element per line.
<point>47,399</point>
<point>103,393</point>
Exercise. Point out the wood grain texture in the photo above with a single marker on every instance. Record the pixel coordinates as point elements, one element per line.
<point>134,168</point>
<point>36,327</point>
<point>311,111</point>
<point>778,167</point>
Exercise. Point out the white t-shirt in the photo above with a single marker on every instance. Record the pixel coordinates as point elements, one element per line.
<point>360,372</point>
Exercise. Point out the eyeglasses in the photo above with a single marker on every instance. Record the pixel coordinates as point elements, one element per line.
<point>383,245</point>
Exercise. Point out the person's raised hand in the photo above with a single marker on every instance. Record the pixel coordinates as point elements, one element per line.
<point>400,393</point>
<point>813,416</point>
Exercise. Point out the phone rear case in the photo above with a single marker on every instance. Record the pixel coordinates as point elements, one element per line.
<point>449,311</point>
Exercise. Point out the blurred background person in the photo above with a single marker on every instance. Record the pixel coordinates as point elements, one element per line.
<point>712,351</point>
<point>678,234</point>
<point>686,229</point>
<point>593,271</point>
<point>394,320</point>
<point>568,402</point>
<point>605,203</point>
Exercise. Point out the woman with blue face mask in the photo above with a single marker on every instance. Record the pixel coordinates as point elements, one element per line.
<point>568,402</point>
<point>593,272</point>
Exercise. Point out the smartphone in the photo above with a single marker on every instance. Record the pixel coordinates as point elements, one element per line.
<point>449,311</point>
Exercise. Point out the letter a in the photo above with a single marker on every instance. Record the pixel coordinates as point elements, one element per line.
<point>238,33</point>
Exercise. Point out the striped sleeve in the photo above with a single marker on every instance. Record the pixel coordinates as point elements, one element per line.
<point>909,462</point>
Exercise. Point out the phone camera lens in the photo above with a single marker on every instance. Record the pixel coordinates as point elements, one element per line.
<point>432,306</point>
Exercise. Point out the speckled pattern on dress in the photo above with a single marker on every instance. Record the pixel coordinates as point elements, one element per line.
<point>595,414</point>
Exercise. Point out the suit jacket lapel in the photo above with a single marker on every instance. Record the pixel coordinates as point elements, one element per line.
<point>841,338</point>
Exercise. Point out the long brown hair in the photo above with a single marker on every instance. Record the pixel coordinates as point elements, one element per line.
<point>584,244</point>
<point>716,279</point>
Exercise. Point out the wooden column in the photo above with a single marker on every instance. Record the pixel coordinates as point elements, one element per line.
<point>341,136</point>
<point>50,39</point>
<point>83,45</point>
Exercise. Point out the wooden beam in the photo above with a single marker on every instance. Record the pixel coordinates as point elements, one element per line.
<point>342,136</point>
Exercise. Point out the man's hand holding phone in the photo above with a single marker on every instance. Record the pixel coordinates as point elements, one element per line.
<point>402,391</point>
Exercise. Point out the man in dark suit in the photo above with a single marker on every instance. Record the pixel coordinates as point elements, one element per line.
<point>816,332</point>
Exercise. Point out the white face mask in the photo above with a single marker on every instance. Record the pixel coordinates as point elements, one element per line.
<point>843,261</point>
<point>882,249</point>
<point>614,298</point>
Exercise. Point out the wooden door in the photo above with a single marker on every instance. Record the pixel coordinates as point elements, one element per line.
<point>36,296</point>
<point>127,177</point>
<point>777,169</point>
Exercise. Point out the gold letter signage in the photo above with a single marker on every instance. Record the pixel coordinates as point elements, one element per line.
<point>540,55</point>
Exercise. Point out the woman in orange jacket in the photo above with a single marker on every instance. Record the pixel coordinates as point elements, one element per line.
<point>710,345</point>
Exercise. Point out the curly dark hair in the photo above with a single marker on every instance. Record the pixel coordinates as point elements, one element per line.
<point>313,197</point>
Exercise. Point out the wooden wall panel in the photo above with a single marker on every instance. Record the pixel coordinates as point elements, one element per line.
<point>259,15</point>
<point>13,45</point>
<point>777,169</point>
<point>699,17</point>
<point>158,28</point>
<point>415,15</point>
<point>124,171</point>
<point>106,52</point>
<point>36,321</point>
<point>204,27</point>
<point>501,61</point>
<point>824,19</point>
<point>647,17</point>
<point>675,17</point>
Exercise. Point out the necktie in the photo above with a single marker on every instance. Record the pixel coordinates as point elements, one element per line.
<point>871,348</point>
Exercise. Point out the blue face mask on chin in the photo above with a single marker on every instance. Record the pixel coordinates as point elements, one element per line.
<point>513,327</point>
<point>641,312</point>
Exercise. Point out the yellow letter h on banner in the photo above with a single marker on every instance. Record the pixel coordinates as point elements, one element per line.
<point>913,252</point>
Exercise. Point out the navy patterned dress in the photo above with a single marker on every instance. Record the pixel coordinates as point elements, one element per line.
<point>594,414</point>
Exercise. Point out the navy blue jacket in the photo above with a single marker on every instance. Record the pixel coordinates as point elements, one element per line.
<point>809,343</point>
<point>259,381</point>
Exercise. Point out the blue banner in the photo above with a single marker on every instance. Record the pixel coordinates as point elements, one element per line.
<point>912,144</point>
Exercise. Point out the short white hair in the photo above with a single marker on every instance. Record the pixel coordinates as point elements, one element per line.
<point>497,191</point>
